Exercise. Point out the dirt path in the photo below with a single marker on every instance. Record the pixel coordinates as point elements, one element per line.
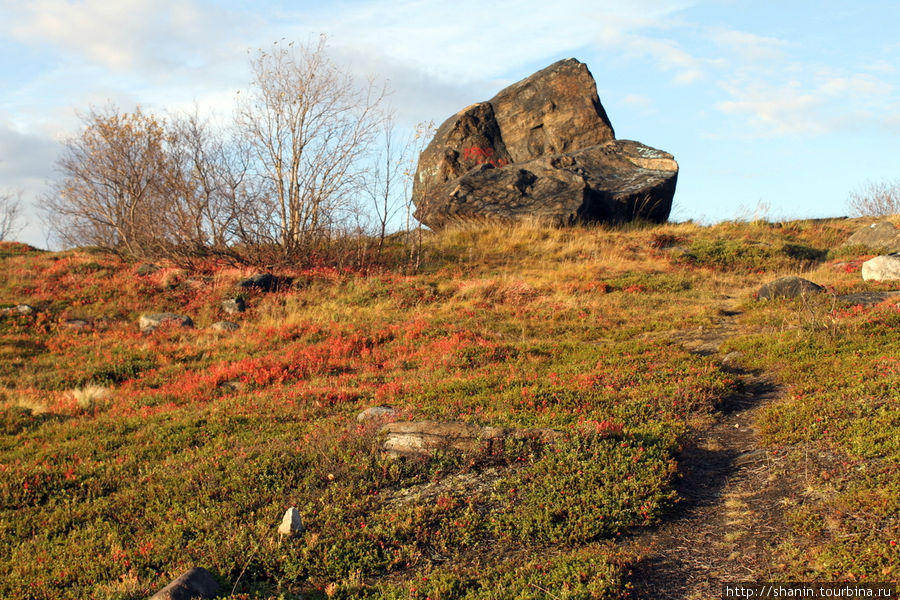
<point>732,510</point>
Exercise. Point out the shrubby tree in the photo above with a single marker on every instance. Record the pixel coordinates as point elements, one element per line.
<point>310,166</point>
<point>10,214</point>
<point>309,128</point>
<point>116,175</point>
<point>876,199</point>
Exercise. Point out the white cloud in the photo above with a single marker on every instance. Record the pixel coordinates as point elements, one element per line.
<point>772,109</point>
<point>748,46</point>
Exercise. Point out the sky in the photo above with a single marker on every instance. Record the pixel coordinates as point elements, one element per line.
<point>773,109</point>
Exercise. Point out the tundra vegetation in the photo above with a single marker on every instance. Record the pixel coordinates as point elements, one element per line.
<point>127,457</point>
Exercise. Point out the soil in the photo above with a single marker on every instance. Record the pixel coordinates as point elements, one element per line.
<point>733,494</point>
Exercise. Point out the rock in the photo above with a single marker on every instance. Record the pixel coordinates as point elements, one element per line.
<point>233,306</point>
<point>880,236</point>
<point>882,268</point>
<point>262,281</point>
<point>421,438</point>
<point>225,326</point>
<point>788,287</point>
<point>76,324</point>
<point>195,583</point>
<point>376,412</point>
<point>24,309</point>
<point>291,524</point>
<point>542,147</point>
<point>150,322</point>
<point>147,269</point>
<point>867,298</point>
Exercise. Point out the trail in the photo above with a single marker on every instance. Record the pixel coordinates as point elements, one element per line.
<point>731,513</point>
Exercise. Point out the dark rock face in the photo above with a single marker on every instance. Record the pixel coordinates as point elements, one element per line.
<point>542,147</point>
<point>789,287</point>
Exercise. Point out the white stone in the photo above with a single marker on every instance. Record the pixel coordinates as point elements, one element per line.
<point>882,268</point>
<point>291,524</point>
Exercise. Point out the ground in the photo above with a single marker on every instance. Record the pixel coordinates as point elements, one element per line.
<point>704,436</point>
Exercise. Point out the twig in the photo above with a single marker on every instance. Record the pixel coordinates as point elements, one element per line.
<point>546,591</point>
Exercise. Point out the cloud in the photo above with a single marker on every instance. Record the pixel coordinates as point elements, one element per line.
<point>748,46</point>
<point>148,35</point>
<point>772,109</point>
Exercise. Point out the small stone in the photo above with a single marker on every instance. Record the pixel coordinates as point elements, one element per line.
<point>193,584</point>
<point>731,359</point>
<point>225,326</point>
<point>233,305</point>
<point>291,524</point>
<point>147,269</point>
<point>789,287</point>
<point>24,309</point>
<point>882,268</point>
<point>376,412</point>
<point>150,322</point>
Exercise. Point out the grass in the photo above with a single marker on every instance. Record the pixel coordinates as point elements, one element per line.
<point>127,458</point>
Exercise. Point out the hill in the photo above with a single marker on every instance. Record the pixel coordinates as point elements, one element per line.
<point>695,434</point>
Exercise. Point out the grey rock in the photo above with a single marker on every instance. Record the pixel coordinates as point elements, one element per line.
<point>291,524</point>
<point>193,584</point>
<point>788,287</point>
<point>543,148</point>
<point>152,321</point>
<point>882,268</point>
<point>867,298</point>
<point>234,306</point>
<point>880,236</point>
<point>262,281</point>
<point>376,412</point>
<point>225,326</point>
<point>24,309</point>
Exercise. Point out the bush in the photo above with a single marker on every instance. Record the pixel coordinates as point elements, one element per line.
<point>876,199</point>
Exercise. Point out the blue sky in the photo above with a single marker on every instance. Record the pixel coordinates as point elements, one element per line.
<point>791,105</point>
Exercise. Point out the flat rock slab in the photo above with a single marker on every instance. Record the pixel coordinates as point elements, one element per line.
<point>789,287</point>
<point>195,583</point>
<point>880,236</point>
<point>422,438</point>
<point>152,321</point>
<point>867,298</point>
<point>882,268</point>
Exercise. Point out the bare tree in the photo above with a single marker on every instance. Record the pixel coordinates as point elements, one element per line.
<point>115,177</point>
<point>387,182</point>
<point>309,127</point>
<point>209,197</point>
<point>876,199</point>
<point>10,214</point>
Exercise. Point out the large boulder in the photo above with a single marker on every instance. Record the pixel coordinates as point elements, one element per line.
<point>880,236</point>
<point>882,268</point>
<point>542,147</point>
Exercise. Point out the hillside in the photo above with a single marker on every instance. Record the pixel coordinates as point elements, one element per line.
<point>128,457</point>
